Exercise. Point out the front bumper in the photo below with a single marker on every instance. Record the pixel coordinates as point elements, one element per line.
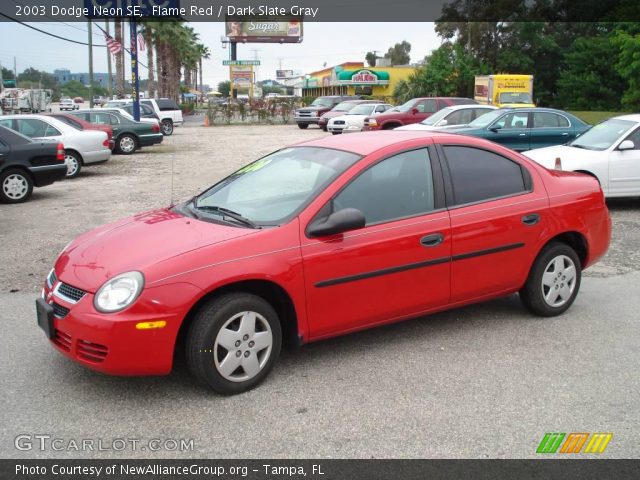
<point>306,119</point>
<point>111,343</point>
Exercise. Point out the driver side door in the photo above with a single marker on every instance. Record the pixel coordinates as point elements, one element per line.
<point>624,168</point>
<point>512,130</point>
<point>397,265</point>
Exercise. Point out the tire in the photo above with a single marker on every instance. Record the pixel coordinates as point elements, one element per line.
<point>15,186</point>
<point>74,163</point>
<point>556,269</point>
<point>324,128</point>
<point>303,126</point>
<point>389,126</point>
<point>166,127</point>
<point>126,144</point>
<point>227,320</point>
<point>335,133</point>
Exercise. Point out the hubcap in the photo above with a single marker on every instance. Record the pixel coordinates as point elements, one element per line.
<point>243,346</point>
<point>15,186</point>
<point>167,127</point>
<point>559,281</point>
<point>72,164</point>
<point>127,144</point>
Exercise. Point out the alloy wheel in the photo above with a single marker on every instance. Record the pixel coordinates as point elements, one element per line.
<point>15,186</point>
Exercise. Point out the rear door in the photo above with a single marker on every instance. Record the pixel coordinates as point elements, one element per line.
<point>105,118</point>
<point>4,152</point>
<point>549,129</point>
<point>511,130</point>
<point>35,128</point>
<point>498,217</point>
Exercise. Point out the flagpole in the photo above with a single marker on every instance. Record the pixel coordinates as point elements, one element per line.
<point>135,81</point>
<point>110,81</point>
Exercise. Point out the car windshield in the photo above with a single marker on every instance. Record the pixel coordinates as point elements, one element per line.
<point>344,107</point>
<point>603,135</point>
<point>322,102</point>
<point>515,97</point>
<point>486,119</point>
<point>113,104</point>
<point>68,100</point>
<point>405,107</point>
<point>365,109</point>
<point>436,117</point>
<point>272,189</point>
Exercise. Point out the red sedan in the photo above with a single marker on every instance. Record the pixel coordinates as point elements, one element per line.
<point>318,240</point>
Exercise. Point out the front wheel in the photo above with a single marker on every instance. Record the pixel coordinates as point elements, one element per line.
<point>233,342</point>
<point>553,282</point>
<point>167,127</point>
<point>303,126</point>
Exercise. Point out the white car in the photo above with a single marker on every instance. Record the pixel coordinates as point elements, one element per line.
<point>353,121</point>
<point>81,147</point>
<point>68,104</point>
<point>167,111</point>
<point>448,117</point>
<point>609,151</point>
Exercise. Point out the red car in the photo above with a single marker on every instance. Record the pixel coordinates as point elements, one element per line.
<point>81,124</point>
<point>413,111</point>
<point>317,240</point>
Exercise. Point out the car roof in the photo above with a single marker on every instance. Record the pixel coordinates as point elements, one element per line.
<point>469,105</point>
<point>364,143</point>
<point>634,117</point>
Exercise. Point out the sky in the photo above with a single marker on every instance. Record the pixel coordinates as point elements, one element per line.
<point>330,43</point>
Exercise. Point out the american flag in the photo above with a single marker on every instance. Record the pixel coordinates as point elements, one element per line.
<point>113,45</point>
<point>141,43</point>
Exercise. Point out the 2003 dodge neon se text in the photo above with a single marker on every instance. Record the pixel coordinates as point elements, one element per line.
<point>321,239</point>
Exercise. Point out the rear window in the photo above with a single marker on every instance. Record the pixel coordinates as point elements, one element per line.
<point>167,104</point>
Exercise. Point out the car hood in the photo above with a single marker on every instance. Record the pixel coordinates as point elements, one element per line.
<point>571,158</point>
<point>136,243</point>
<point>312,109</point>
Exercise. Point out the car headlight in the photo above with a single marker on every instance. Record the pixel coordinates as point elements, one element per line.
<point>314,114</point>
<point>119,292</point>
<point>372,122</point>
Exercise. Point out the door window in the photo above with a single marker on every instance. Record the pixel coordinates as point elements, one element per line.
<point>460,117</point>
<point>635,138</point>
<point>513,120</point>
<point>32,127</point>
<point>478,175</point>
<point>427,106</point>
<point>397,187</point>
<point>549,120</point>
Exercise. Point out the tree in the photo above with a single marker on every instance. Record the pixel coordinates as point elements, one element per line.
<point>628,67</point>
<point>399,53</point>
<point>224,88</point>
<point>371,58</point>
<point>7,74</point>
<point>147,32</point>
<point>33,78</point>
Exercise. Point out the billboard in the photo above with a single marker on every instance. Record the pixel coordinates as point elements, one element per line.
<point>241,75</point>
<point>261,30</point>
<point>282,74</point>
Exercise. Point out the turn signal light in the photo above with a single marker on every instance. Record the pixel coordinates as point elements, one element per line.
<point>150,325</point>
<point>60,152</point>
<point>558,165</point>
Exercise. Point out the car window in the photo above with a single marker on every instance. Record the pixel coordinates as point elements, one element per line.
<point>167,104</point>
<point>635,138</point>
<point>427,106</point>
<point>549,120</point>
<point>101,118</point>
<point>460,117</point>
<point>6,122</point>
<point>478,112</point>
<point>69,121</point>
<point>398,187</point>
<point>513,120</point>
<point>146,109</point>
<point>82,115</point>
<point>50,131</point>
<point>478,175</point>
<point>32,127</point>
<point>381,108</point>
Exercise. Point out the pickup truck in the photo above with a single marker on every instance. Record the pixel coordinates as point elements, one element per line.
<point>413,111</point>
<point>321,105</point>
<point>168,112</point>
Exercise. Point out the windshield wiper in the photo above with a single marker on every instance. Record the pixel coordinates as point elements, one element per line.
<point>225,213</point>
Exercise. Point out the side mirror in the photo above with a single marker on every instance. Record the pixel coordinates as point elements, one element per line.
<point>338,222</point>
<point>627,145</point>
<point>495,128</point>
<point>414,110</point>
<point>442,123</point>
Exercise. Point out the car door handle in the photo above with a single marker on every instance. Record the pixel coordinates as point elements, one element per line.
<point>531,219</point>
<point>432,240</point>
<point>565,134</point>
<point>522,134</point>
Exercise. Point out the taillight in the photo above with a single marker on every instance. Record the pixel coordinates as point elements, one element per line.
<point>155,128</point>
<point>60,152</point>
<point>106,143</point>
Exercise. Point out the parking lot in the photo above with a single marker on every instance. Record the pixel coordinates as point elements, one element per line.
<point>486,381</point>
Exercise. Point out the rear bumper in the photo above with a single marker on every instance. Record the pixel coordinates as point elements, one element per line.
<point>48,174</point>
<point>96,156</point>
<point>150,139</point>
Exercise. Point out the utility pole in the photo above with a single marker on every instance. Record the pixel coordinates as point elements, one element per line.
<point>233,51</point>
<point>15,71</point>
<point>135,81</point>
<point>110,79</point>
<point>90,42</point>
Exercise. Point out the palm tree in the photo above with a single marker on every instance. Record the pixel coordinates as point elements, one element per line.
<point>147,32</point>
<point>119,60</point>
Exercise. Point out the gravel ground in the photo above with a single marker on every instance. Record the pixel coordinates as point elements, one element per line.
<point>486,381</point>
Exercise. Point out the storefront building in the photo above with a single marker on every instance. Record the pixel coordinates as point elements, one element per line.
<point>353,78</point>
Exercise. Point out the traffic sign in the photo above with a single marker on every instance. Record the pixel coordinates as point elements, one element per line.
<point>241,62</point>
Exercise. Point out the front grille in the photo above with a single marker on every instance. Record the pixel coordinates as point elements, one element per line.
<point>303,113</point>
<point>338,122</point>
<point>62,340</point>
<point>92,352</point>
<point>59,311</point>
<point>51,279</point>
<point>72,293</point>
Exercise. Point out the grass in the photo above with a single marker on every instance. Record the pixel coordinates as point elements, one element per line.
<point>595,117</point>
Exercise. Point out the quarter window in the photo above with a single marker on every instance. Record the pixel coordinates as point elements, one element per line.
<point>479,175</point>
<point>549,120</point>
<point>398,187</point>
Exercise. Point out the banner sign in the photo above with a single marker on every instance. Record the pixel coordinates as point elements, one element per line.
<point>265,30</point>
<point>241,62</point>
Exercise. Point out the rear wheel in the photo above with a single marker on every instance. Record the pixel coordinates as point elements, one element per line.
<point>126,144</point>
<point>303,126</point>
<point>74,164</point>
<point>15,186</point>
<point>167,127</point>
<point>553,282</point>
<point>233,342</point>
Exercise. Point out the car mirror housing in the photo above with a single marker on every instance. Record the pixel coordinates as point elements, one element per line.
<point>442,122</point>
<point>627,145</point>
<point>495,128</point>
<point>338,222</point>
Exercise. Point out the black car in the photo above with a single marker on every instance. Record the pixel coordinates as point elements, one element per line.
<point>145,111</point>
<point>25,163</point>
<point>311,114</point>
<point>128,134</point>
